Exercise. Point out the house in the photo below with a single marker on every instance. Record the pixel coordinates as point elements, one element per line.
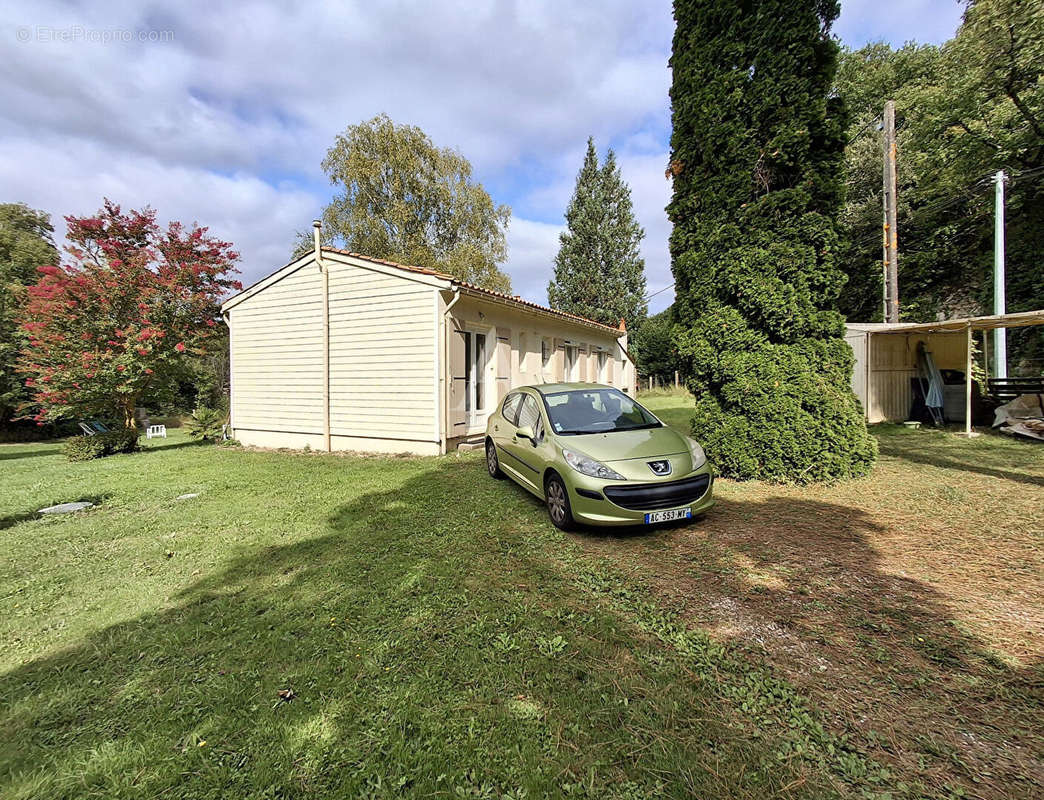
<point>339,351</point>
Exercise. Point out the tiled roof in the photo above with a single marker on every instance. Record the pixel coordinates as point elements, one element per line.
<point>477,289</point>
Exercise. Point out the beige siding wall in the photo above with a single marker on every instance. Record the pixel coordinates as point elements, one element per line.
<point>382,355</point>
<point>382,362</point>
<point>516,358</point>
<point>277,356</point>
<point>857,341</point>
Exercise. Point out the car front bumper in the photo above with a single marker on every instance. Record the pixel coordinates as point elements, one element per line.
<point>604,511</point>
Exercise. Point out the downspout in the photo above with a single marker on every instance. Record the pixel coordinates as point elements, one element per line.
<point>231,379</point>
<point>444,345</point>
<point>316,227</point>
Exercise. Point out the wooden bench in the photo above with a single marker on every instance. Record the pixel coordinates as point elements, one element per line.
<point>1007,389</point>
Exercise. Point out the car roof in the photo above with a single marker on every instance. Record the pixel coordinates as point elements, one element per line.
<point>552,388</point>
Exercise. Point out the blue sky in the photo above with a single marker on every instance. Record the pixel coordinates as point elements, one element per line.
<point>221,112</point>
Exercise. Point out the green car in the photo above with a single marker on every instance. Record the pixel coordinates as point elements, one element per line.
<point>596,456</point>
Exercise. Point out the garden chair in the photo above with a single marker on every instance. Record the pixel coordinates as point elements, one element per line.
<point>93,426</point>
<point>156,431</point>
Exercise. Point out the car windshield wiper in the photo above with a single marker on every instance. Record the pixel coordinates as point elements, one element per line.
<point>611,430</point>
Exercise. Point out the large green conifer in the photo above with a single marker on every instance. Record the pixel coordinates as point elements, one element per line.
<point>757,149</point>
<point>599,270</point>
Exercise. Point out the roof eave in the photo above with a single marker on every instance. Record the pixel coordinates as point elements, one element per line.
<point>531,308</point>
<point>1016,319</point>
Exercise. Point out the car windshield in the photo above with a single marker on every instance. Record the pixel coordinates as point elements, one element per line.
<point>596,411</point>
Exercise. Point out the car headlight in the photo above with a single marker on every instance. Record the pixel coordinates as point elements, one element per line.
<point>699,458</point>
<point>588,466</point>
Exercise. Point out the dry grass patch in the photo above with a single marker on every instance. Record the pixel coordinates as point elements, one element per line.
<point>908,605</point>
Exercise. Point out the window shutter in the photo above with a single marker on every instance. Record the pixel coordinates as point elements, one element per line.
<point>503,362</point>
<point>558,363</point>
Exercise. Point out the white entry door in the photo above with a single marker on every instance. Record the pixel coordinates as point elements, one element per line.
<point>469,356</point>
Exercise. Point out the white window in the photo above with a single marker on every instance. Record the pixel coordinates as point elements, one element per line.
<point>603,363</point>
<point>522,353</point>
<point>546,351</point>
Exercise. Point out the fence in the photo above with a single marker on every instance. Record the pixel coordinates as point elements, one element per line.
<point>653,383</point>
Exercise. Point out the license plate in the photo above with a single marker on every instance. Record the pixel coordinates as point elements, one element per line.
<point>667,516</point>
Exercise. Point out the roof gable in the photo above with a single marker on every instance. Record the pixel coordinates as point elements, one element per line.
<point>424,275</point>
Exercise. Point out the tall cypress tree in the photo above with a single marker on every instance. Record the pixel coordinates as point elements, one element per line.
<point>757,161</point>
<point>599,271</point>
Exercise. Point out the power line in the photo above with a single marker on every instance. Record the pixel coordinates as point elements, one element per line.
<point>660,291</point>
<point>862,130</point>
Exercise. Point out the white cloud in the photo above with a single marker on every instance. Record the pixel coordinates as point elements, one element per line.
<point>533,246</point>
<point>898,21</point>
<point>259,218</point>
<point>227,116</point>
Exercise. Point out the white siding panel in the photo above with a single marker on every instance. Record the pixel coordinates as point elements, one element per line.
<point>382,352</point>
<point>277,356</point>
<point>382,348</point>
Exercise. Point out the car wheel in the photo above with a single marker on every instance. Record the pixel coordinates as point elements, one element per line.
<point>492,462</point>
<point>558,504</point>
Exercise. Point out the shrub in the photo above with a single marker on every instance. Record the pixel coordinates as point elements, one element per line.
<point>205,424</point>
<point>84,448</point>
<point>757,163</point>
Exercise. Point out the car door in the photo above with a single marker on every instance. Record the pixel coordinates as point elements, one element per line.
<point>525,458</point>
<point>502,424</point>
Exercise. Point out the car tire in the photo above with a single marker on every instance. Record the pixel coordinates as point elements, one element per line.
<point>557,496</point>
<point>492,462</point>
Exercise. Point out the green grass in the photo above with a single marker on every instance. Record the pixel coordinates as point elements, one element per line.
<point>440,638</point>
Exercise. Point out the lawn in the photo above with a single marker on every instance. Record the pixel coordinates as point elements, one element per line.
<point>316,625</point>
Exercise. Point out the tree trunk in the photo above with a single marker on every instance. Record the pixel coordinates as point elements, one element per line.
<point>127,406</point>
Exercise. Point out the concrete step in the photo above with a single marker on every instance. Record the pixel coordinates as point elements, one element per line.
<point>471,444</point>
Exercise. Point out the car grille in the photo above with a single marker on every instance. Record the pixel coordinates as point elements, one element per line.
<point>652,496</point>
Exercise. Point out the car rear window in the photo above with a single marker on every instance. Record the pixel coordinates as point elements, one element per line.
<point>510,410</point>
<point>530,413</point>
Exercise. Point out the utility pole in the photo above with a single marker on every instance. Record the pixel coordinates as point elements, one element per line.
<point>1000,335</point>
<point>891,233</point>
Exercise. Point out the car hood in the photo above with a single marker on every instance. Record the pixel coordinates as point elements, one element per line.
<point>626,445</point>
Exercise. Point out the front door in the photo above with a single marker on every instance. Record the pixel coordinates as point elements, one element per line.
<point>469,400</point>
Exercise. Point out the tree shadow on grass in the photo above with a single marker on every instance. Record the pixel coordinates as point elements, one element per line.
<point>9,453</point>
<point>417,632</point>
<point>152,447</point>
<point>943,454</point>
<point>800,584</point>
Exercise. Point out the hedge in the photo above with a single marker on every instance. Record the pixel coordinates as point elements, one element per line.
<point>84,448</point>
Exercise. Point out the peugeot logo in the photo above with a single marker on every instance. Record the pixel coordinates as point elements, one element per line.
<point>662,467</point>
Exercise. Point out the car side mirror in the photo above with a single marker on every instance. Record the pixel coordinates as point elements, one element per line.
<point>526,432</point>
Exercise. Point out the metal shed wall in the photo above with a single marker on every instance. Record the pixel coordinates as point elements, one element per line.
<point>886,361</point>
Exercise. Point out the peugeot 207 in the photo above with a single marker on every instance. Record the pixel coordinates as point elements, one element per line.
<point>596,456</point>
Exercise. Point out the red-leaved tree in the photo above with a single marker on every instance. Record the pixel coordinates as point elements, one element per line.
<point>133,302</point>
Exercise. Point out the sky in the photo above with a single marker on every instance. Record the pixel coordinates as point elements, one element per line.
<point>221,112</point>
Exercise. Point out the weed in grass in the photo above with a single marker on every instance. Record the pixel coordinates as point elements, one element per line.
<point>551,646</point>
